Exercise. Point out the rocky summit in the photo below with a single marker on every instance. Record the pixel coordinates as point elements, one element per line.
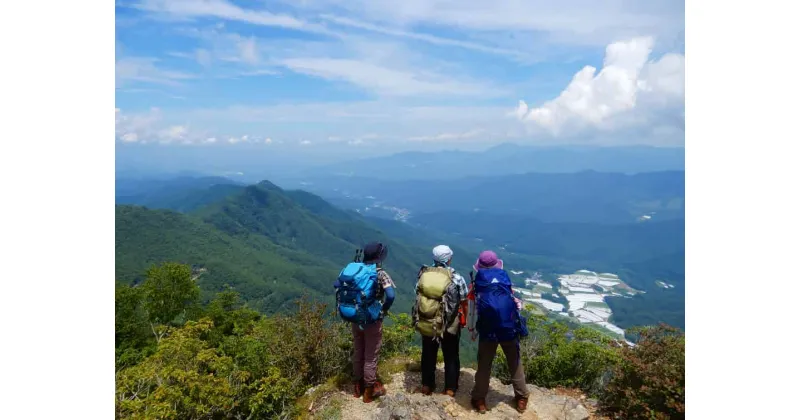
<point>401,403</point>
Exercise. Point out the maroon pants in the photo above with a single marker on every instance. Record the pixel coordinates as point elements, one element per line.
<point>366,347</point>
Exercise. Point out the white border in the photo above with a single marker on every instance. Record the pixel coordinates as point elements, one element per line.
<point>742,220</point>
<point>57,172</point>
<point>57,177</point>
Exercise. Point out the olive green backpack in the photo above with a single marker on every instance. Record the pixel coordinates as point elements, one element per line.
<point>431,290</point>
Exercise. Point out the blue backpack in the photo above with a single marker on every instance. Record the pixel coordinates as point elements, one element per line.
<point>498,316</point>
<point>357,295</point>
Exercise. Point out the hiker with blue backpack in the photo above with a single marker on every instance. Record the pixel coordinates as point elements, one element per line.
<point>494,314</point>
<point>441,293</point>
<point>364,294</point>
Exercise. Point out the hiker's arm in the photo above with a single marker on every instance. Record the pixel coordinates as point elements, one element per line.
<point>387,303</point>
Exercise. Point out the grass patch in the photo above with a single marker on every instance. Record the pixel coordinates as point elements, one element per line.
<point>387,368</point>
<point>325,401</point>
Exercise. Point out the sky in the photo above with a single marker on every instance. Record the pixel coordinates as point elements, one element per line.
<point>324,79</point>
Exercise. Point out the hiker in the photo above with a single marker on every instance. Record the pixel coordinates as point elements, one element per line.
<point>441,299</point>
<point>365,292</point>
<point>494,313</point>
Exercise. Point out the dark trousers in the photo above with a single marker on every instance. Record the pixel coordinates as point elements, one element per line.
<point>452,364</point>
<point>486,353</point>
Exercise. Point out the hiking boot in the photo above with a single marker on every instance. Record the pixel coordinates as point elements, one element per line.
<point>424,390</point>
<point>358,388</point>
<point>378,390</point>
<point>368,394</point>
<point>449,393</point>
<point>521,403</point>
<point>479,405</point>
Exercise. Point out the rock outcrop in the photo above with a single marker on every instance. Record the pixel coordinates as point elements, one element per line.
<point>401,403</point>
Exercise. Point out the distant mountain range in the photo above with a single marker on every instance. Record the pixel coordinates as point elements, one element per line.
<point>504,159</point>
<point>583,197</point>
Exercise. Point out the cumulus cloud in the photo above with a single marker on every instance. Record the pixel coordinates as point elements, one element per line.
<point>628,83</point>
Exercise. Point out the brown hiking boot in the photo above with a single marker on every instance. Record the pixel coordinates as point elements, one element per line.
<point>521,403</point>
<point>378,390</point>
<point>479,405</point>
<point>358,388</point>
<point>424,390</point>
<point>368,391</point>
<point>449,393</point>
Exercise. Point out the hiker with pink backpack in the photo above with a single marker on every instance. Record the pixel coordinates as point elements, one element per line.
<point>494,316</point>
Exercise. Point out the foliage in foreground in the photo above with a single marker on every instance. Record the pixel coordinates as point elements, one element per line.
<point>177,359</point>
<point>645,381</point>
<point>225,359</point>
<point>649,382</point>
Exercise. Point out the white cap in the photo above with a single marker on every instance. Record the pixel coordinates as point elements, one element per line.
<point>442,253</point>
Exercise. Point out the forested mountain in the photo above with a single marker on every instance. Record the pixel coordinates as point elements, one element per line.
<point>184,193</point>
<point>268,244</point>
<point>272,244</point>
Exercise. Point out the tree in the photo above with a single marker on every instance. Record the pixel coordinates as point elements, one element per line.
<point>168,291</point>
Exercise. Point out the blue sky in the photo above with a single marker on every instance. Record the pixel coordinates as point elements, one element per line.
<point>330,78</point>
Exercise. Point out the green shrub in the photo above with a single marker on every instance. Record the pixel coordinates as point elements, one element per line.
<point>553,355</point>
<point>398,337</point>
<point>234,362</point>
<point>649,383</point>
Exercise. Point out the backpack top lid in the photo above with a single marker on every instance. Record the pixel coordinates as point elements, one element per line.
<point>433,281</point>
<point>492,277</point>
<point>356,271</point>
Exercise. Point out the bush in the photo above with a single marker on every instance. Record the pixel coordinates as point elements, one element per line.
<point>555,356</point>
<point>234,362</point>
<point>398,337</point>
<point>650,380</point>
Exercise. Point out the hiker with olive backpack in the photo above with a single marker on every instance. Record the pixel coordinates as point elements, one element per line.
<point>364,294</point>
<point>441,298</point>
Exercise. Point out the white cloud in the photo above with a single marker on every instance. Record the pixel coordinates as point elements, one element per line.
<point>248,51</point>
<point>432,39</point>
<point>305,142</point>
<point>380,79</point>
<point>450,136</point>
<point>130,137</point>
<point>223,10</point>
<point>210,140</point>
<point>203,57</point>
<point>260,72</point>
<point>145,70</point>
<point>572,21</point>
<point>173,133</point>
<point>268,140</point>
<point>608,98</point>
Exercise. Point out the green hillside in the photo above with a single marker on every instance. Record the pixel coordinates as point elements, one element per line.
<point>269,245</point>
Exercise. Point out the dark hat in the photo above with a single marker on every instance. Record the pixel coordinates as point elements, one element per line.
<point>375,252</point>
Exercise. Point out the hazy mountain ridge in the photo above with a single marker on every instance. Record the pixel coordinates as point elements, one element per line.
<point>508,159</point>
